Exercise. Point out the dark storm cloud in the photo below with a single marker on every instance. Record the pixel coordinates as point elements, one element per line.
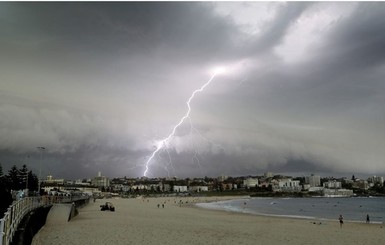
<point>359,39</point>
<point>120,28</point>
<point>337,91</point>
<point>99,84</point>
<point>346,70</point>
<point>347,65</point>
<point>354,46</point>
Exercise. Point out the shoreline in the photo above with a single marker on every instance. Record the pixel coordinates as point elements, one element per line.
<point>288,216</point>
<point>233,208</point>
<point>141,221</point>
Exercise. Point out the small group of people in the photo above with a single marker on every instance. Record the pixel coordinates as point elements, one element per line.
<point>341,219</point>
<point>162,205</point>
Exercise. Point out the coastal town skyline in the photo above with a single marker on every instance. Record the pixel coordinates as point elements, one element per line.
<point>51,175</point>
<point>88,87</point>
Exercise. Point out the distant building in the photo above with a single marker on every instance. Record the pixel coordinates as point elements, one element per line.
<point>361,184</point>
<point>138,187</point>
<point>69,182</point>
<point>337,192</point>
<point>332,184</point>
<point>179,188</point>
<point>82,182</point>
<point>347,181</point>
<point>228,186</point>
<point>51,181</point>
<point>199,188</point>
<point>375,180</point>
<point>222,178</point>
<point>250,182</point>
<point>166,187</point>
<point>289,185</point>
<point>313,180</point>
<point>306,187</point>
<point>100,181</point>
<point>268,175</point>
<point>120,188</point>
<point>318,189</point>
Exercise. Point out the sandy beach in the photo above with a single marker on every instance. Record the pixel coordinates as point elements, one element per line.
<point>140,221</point>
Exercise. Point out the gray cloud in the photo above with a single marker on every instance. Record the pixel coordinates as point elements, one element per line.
<point>99,84</point>
<point>275,31</point>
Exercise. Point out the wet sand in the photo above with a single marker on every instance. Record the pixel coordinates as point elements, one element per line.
<point>140,221</point>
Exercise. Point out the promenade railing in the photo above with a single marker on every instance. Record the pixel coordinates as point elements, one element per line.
<point>18,209</point>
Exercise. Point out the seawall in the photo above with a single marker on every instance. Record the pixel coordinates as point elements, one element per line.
<point>34,220</point>
<point>30,225</point>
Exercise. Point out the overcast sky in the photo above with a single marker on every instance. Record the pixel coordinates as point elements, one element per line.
<point>99,85</point>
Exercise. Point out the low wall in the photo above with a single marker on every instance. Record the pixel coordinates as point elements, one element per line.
<point>30,225</point>
<point>60,213</point>
<point>37,218</point>
<point>81,203</point>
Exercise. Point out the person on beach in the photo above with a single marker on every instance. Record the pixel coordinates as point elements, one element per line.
<point>367,219</point>
<point>341,219</point>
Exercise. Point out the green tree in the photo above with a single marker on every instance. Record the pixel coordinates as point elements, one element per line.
<point>5,195</point>
<point>33,181</point>
<point>6,200</point>
<point>17,179</point>
<point>13,179</point>
<point>2,177</point>
<point>23,177</point>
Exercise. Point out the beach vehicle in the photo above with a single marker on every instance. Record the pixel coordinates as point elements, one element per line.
<point>107,206</point>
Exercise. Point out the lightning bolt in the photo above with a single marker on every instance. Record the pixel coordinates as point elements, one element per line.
<point>164,142</point>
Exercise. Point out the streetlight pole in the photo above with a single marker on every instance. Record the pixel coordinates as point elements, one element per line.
<point>26,183</point>
<point>41,148</point>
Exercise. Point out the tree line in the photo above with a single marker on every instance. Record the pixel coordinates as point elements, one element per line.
<point>16,179</point>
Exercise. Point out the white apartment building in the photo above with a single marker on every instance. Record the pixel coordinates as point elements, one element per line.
<point>180,188</point>
<point>100,181</point>
<point>289,185</point>
<point>52,181</point>
<point>250,182</point>
<point>332,184</point>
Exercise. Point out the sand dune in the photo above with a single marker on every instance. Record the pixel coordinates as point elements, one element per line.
<point>138,221</point>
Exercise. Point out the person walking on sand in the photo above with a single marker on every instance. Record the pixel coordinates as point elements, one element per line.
<point>367,219</point>
<point>341,219</point>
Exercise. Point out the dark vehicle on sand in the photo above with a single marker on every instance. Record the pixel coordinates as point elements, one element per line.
<point>107,206</point>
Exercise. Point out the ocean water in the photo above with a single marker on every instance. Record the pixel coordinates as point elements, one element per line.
<point>352,209</point>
